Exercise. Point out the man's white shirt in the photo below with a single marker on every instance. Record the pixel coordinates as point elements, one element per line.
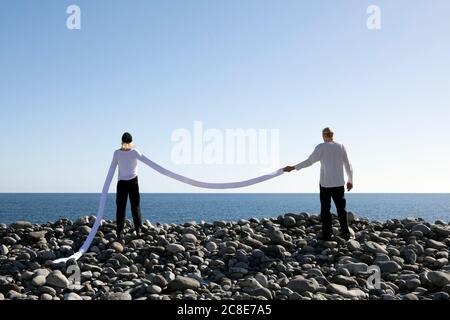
<point>333,159</point>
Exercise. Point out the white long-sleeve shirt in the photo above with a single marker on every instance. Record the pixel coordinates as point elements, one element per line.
<point>333,159</point>
<point>127,162</point>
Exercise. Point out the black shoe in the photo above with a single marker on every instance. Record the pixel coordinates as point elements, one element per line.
<point>139,235</point>
<point>346,236</point>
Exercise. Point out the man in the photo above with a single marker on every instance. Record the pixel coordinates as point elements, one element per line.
<point>333,158</point>
<point>127,185</point>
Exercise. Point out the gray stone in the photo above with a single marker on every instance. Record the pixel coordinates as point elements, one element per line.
<point>410,256</point>
<point>47,289</point>
<point>27,275</point>
<point>345,281</point>
<point>440,295</point>
<point>220,223</point>
<point>182,283</point>
<point>238,270</point>
<point>154,289</point>
<point>46,297</point>
<point>117,247</point>
<point>159,280</point>
<point>169,275</point>
<point>439,278</point>
<point>37,235</point>
<point>295,296</point>
<point>86,275</point>
<point>250,283</point>
<point>446,288</point>
<point>289,221</point>
<point>330,244</point>
<point>255,244</point>
<point>436,244</point>
<point>8,240</point>
<point>21,225</point>
<point>3,250</point>
<point>81,221</point>
<point>137,243</point>
<point>353,245</point>
<point>196,260</point>
<point>315,272</point>
<point>14,295</point>
<point>258,254</point>
<point>266,293</point>
<point>344,292</point>
<point>374,247</point>
<point>262,279</point>
<point>117,296</point>
<point>175,248</point>
<point>72,296</point>
<point>275,235</point>
<point>422,228</point>
<point>57,279</point>
<point>39,281</point>
<point>440,230</point>
<point>211,246</point>
<point>302,285</point>
<point>241,255</point>
<point>85,230</point>
<point>410,296</point>
<point>388,266</point>
<point>41,272</point>
<point>350,217</point>
<point>189,237</point>
<point>355,267</point>
<point>46,255</point>
<point>274,250</point>
<point>23,256</point>
<point>121,257</point>
<point>412,284</point>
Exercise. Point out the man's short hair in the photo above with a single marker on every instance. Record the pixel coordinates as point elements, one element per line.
<point>327,131</point>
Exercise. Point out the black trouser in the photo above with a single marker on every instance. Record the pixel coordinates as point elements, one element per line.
<point>337,194</point>
<point>127,188</point>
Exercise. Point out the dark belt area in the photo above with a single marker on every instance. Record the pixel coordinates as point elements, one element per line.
<point>135,179</point>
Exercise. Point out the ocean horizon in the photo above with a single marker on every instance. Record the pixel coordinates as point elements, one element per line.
<point>186,207</point>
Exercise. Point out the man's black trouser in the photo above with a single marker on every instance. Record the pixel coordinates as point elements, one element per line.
<point>125,189</point>
<point>337,194</point>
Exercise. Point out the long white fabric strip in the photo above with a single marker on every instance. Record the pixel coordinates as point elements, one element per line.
<point>101,208</point>
<point>208,185</point>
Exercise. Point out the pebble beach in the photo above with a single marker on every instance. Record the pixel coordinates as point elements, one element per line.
<point>279,258</point>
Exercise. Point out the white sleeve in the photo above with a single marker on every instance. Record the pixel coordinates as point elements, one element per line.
<point>347,166</point>
<point>313,158</point>
<point>111,171</point>
<point>138,153</point>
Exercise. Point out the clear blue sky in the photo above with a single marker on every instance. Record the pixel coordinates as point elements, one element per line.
<point>150,67</point>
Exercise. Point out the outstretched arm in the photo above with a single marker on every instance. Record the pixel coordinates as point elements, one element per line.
<point>313,158</point>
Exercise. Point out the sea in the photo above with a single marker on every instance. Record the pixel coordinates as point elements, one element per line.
<point>188,207</point>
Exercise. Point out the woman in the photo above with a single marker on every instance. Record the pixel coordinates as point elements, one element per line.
<point>127,186</point>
